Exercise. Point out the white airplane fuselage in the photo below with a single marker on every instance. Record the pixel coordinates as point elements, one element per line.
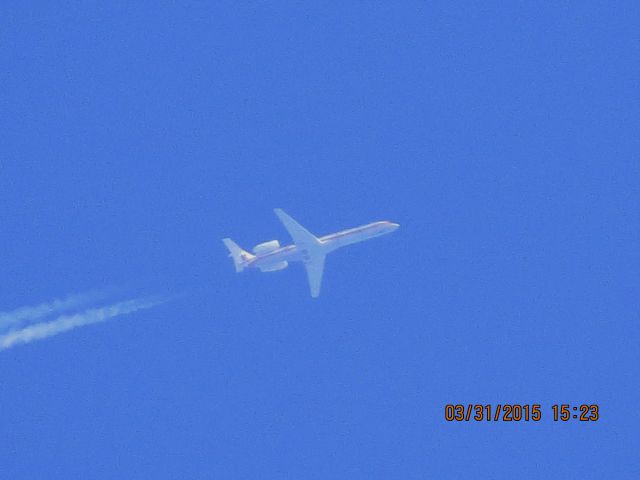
<point>306,248</point>
<point>328,243</point>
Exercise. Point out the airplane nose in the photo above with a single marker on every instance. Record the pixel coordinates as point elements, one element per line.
<point>394,225</point>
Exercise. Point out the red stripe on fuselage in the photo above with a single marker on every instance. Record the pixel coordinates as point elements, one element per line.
<point>351,231</point>
<point>275,252</point>
<point>331,236</point>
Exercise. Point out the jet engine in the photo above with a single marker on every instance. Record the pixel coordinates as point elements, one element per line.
<point>266,247</point>
<point>275,266</point>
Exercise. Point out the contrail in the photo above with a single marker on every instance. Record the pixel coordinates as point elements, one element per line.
<point>68,322</point>
<point>23,315</point>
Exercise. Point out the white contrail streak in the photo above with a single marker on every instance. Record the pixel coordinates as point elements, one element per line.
<point>68,322</point>
<point>23,315</point>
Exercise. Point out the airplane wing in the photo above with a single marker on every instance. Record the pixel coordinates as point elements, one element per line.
<point>300,235</point>
<point>310,248</point>
<point>315,268</point>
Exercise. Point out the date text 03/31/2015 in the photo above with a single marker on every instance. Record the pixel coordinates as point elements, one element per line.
<point>514,412</point>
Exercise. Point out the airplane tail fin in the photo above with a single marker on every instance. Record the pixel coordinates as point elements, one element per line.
<point>240,256</point>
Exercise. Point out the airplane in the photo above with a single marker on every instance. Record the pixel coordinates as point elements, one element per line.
<point>306,248</point>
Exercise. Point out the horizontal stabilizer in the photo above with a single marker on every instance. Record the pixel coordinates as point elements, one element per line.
<point>240,256</point>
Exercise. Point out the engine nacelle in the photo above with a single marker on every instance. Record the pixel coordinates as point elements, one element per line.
<point>266,247</point>
<point>274,267</point>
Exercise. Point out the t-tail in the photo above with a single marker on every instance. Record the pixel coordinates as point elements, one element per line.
<point>240,257</point>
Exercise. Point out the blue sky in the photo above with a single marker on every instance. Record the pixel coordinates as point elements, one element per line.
<point>502,136</point>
